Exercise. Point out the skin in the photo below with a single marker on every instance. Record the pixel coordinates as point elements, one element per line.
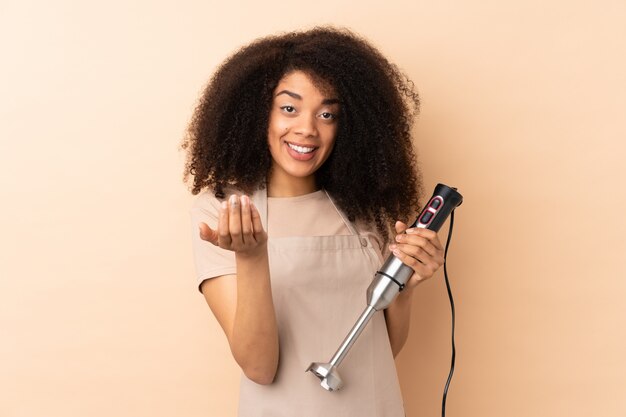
<point>422,251</point>
<point>302,114</point>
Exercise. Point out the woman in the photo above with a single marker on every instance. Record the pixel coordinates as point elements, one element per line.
<point>301,152</point>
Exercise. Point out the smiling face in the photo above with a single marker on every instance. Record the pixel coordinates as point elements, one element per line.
<point>301,133</point>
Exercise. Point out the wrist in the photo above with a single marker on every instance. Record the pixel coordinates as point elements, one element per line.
<point>404,297</point>
<point>255,255</point>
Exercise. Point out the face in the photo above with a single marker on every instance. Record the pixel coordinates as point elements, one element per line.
<point>302,129</point>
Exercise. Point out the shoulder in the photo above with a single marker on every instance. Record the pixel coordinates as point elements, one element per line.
<point>207,202</point>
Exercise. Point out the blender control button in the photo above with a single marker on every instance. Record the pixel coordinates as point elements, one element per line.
<point>426,217</point>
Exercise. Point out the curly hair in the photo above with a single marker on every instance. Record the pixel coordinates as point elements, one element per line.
<point>372,172</point>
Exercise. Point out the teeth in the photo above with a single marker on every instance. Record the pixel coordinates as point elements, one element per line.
<point>300,149</point>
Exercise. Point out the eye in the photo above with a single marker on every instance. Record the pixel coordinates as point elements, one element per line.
<point>288,109</point>
<point>327,116</point>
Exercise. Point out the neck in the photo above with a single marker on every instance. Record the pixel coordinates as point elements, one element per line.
<point>278,186</point>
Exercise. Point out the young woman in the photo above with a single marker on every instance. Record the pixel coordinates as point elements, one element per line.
<point>300,151</point>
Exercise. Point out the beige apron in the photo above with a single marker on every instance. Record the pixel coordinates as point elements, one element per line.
<point>318,287</point>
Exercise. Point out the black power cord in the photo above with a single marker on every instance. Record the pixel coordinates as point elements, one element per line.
<point>445,272</point>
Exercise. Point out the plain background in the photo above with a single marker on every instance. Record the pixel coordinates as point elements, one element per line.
<point>522,109</point>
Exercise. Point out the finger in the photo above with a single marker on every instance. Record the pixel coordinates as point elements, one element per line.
<point>424,269</point>
<point>431,235</point>
<point>419,254</point>
<point>208,234</point>
<point>234,220</point>
<point>400,227</point>
<point>422,250</point>
<point>405,258</point>
<point>222,228</point>
<point>418,241</point>
<point>257,225</point>
<point>247,231</point>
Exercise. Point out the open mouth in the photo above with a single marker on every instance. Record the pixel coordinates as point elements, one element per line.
<point>301,152</point>
<point>301,149</point>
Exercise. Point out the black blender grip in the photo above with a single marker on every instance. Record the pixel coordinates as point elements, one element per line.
<point>444,200</point>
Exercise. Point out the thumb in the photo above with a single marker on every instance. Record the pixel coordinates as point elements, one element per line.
<point>208,234</point>
<point>400,227</point>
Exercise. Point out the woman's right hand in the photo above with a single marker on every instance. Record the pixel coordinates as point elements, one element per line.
<point>239,227</point>
<point>242,302</point>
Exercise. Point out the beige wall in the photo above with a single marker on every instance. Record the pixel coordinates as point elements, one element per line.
<point>523,111</point>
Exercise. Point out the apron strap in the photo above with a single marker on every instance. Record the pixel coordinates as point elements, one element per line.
<point>364,240</point>
<point>348,223</point>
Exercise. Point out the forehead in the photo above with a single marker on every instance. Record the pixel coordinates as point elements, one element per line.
<point>304,83</point>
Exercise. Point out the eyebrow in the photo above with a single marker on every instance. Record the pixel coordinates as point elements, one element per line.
<point>299,97</point>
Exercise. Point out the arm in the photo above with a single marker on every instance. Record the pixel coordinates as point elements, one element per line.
<point>243,303</point>
<point>398,318</point>
<point>421,250</point>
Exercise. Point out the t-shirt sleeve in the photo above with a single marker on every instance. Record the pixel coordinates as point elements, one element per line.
<point>210,261</point>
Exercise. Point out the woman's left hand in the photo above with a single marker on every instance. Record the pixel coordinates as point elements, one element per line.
<point>420,249</point>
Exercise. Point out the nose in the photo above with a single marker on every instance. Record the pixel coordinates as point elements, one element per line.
<point>306,126</point>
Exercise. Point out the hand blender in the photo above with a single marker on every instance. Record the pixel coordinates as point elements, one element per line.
<point>387,283</point>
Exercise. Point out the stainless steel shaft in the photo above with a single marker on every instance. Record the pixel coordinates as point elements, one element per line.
<point>388,281</point>
<point>352,336</point>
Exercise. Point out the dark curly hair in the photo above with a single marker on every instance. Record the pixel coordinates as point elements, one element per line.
<point>371,173</point>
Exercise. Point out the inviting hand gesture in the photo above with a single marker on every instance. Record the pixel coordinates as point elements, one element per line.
<point>239,227</point>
